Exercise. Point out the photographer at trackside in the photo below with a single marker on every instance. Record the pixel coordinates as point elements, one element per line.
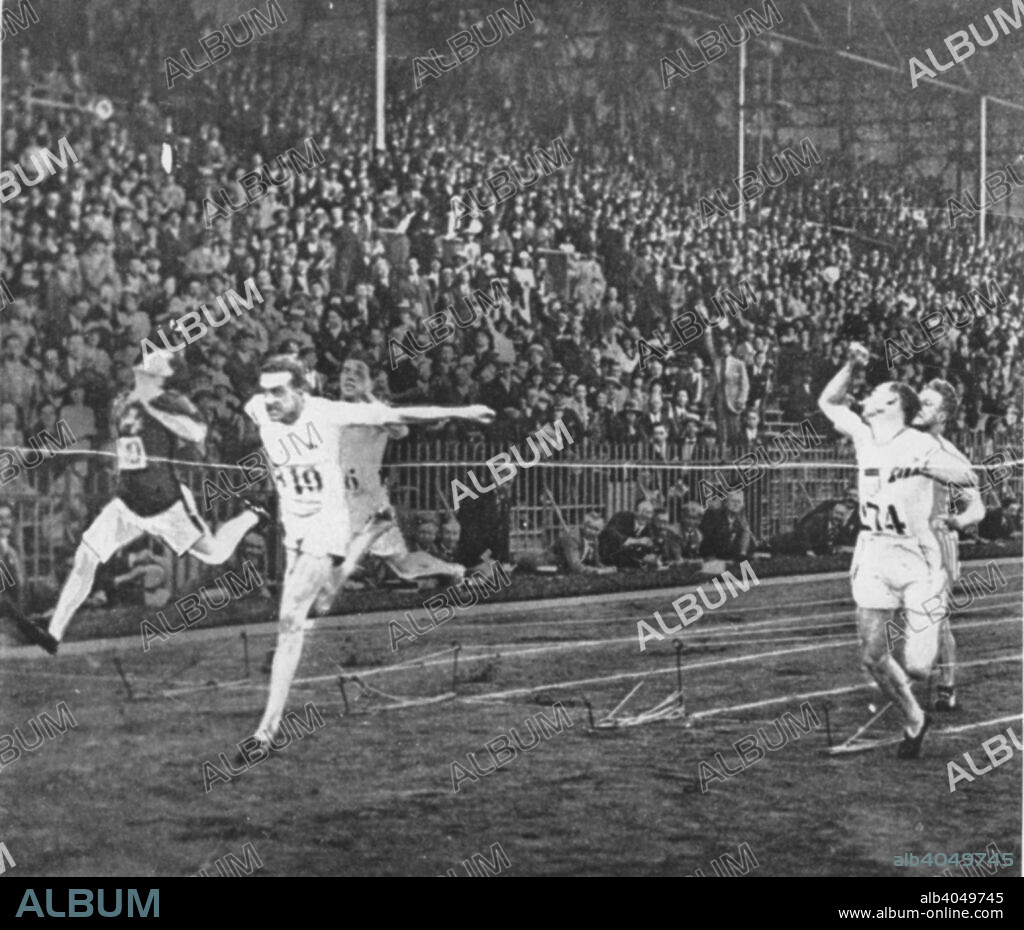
<point>627,540</point>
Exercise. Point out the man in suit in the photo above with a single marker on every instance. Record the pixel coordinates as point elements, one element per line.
<point>695,383</point>
<point>627,427</point>
<point>501,392</point>
<point>349,245</point>
<point>733,389</point>
<point>668,542</point>
<point>626,541</point>
<point>12,575</point>
<point>416,289</point>
<point>832,525</point>
<point>726,531</point>
<point>750,433</point>
<point>691,538</point>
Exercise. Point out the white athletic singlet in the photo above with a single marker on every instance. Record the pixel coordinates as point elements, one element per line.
<point>364,448</point>
<point>310,459</point>
<point>894,501</point>
<point>949,542</point>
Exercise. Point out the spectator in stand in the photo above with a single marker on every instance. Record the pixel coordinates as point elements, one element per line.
<point>802,400</point>
<point>750,433</point>
<point>679,413</point>
<point>694,381</point>
<point>579,405</point>
<point>560,410</point>
<point>761,370</point>
<point>691,443</point>
<point>660,450</point>
<point>627,427</point>
<point>655,408</point>
<point>20,381</point>
<point>732,388</point>
<point>80,418</point>
<point>11,434</point>
<point>1006,430</point>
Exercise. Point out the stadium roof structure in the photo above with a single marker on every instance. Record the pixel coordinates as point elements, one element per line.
<point>887,37</point>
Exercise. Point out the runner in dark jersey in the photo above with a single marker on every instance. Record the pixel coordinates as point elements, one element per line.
<point>152,425</point>
<point>151,490</point>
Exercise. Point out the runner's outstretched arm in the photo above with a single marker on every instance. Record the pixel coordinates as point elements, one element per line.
<point>832,401</point>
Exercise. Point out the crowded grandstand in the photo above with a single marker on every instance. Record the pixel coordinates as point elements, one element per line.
<point>564,296</point>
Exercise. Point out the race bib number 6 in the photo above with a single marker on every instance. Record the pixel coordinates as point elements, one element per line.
<point>131,453</point>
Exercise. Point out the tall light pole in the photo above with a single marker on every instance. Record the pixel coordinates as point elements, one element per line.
<point>982,167</point>
<point>742,124</point>
<point>382,6</point>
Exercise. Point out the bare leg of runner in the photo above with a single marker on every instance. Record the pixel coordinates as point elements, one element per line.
<point>947,656</point>
<point>302,582</point>
<point>76,589</point>
<point>875,655</point>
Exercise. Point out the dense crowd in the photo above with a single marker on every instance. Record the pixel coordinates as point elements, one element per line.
<point>355,255</point>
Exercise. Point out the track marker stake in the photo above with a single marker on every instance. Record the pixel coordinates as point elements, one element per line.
<point>344,696</point>
<point>124,678</point>
<point>245,651</point>
<point>679,670</point>
<point>590,712</point>
<point>455,663</point>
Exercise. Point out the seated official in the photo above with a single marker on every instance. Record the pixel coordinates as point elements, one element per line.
<point>575,553</point>
<point>831,526</point>
<point>626,541</point>
<point>1003,522</point>
<point>668,541</point>
<point>691,538</point>
<point>12,575</point>
<point>726,531</point>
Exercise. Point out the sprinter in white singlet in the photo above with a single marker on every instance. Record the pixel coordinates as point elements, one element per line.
<point>304,439</point>
<point>897,561</point>
<point>376,531</point>
<point>951,512</point>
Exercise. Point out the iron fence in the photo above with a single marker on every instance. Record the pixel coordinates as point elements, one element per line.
<point>51,512</point>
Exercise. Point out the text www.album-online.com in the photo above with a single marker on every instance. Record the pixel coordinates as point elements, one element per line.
<point>942,912</point>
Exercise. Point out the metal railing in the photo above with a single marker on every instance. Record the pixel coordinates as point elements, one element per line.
<point>583,477</point>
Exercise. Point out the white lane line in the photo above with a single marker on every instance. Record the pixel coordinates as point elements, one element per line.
<point>625,676</point>
<point>530,606</point>
<point>511,649</point>
<point>492,652</point>
<point>812,694</point>
<point>975,726</point>
<point>794,606</point>
<point>270,628</point>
